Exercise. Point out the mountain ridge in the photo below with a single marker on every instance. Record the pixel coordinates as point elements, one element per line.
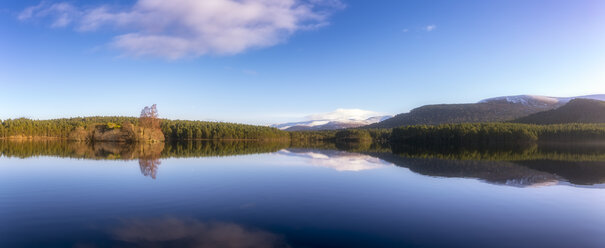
<point>497,109</point>
<point>577,110</point>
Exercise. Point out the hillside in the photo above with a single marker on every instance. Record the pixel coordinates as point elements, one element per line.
<point>498,109</point>
<point>461,113</point>
<point>576,111</point>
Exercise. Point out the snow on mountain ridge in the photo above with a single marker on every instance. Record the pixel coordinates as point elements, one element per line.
<point>331,124</point>
<point>344,115</point>
<point>338,119</point>
<point>533,100</point>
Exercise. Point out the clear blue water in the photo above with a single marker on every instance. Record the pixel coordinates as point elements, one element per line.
<point>296,198</point>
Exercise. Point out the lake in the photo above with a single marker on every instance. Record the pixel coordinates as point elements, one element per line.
<point>250,194</point>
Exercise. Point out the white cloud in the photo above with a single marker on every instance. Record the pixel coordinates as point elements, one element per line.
<point>344,114</point>
<point>430,28</point>
<point>190,28</point>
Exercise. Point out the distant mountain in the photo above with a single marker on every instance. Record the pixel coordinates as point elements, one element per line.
<point>531,100</point>
<point>497,109</point>
<point>575,111</point>
<point>315,125</point>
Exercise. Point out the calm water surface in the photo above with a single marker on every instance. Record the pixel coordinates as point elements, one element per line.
<point>267,195</point>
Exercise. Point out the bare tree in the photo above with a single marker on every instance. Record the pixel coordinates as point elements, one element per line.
<point>149,117</point>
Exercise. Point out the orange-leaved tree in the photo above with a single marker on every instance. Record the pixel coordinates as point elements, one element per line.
<point>149,117</point>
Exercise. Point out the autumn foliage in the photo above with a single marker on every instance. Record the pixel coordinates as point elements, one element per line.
<point>149,117</point>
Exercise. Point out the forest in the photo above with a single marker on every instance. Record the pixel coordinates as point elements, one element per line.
<point>356,135</point>
<point>192,130</point>
<point>81,127</point>
<point>495,134</point>
<point>172,129</point>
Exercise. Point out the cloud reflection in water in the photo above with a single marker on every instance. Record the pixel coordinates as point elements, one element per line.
<point>337,160</point>
<point>177,232</point>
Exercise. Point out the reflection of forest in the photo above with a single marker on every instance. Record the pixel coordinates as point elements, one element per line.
<point>132,151</point>
<point>518,173</point>
<point>148,154</point>
<point>499,172</point>
<point>578,153</point>
<point>521,166</point>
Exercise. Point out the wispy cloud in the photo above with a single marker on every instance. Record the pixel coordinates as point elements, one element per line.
<point>62,14</point>
<point>249,72</point>
<point>191,28</point>
<point>427,28</point>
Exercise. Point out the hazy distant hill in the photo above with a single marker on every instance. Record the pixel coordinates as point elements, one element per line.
<point>497,109</point>
<point>316,125</point>
<point>576,111</point>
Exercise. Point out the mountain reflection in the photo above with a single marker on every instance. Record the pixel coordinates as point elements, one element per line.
<point>547,164</point>
<point>497,172</point>
<point>337,160</point>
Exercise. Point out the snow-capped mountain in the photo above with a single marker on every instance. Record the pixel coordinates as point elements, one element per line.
<point>537,101</point>
<point>329,125</point>
<point>339,119</point>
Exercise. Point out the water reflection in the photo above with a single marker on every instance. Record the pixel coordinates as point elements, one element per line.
<point>578,173</point>
<point>496,172</point>
<point>522,166</point>
<point>128,151</point>
<point>149,166</point>
<point>337,160</point>
<point>547,164</point>
<point>187,232</point>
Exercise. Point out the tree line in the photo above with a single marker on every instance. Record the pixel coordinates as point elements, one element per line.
<point>495,134</point>
<point>172,129</point>
<point>477,134</point>
<point>192,130</point>
<point>59,128</point>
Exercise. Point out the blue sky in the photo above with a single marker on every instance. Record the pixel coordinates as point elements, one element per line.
<point>269,61</point>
